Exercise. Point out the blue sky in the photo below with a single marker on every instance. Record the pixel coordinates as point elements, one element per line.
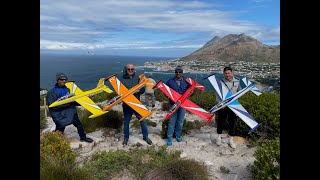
<point>165,28</point>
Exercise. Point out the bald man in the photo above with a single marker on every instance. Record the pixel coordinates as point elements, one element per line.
<point>129,79</point>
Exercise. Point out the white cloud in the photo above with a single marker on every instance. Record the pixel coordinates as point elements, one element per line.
<point>84,21</point>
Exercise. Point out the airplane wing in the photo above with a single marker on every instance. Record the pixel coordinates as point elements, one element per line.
<point>137,106</point>
<point>192,107</point>
<point>170,93</point>
<point>117,85</point>
<point>85,101</point>
<point>239,110</point>
<point>221,90</point>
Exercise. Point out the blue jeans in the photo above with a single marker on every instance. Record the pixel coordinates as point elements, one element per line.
<point>176,122</point>
<point>127,112</point>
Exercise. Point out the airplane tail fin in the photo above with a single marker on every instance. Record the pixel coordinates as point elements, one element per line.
<point>101,82</point>
<point>199,86</point>
<point>253,89</point>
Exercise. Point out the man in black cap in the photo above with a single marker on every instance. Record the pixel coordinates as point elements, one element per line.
<point>65,114</point>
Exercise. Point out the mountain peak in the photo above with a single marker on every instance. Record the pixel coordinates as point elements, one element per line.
<point>236,47</point>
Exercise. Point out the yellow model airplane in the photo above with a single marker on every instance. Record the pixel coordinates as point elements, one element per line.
<point>76,94</point>
<point>127,96</point>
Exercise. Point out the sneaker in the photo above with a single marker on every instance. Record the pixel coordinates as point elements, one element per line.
<point>179,139</point>
<point>169,142</point>
<point>232,144</point>
<point>218,140</point>
<point>125,141</point>
<point>86,139</point>
<point>146,139</point>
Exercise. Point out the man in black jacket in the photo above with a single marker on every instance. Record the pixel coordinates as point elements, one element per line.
<point>65,114</point>
<point>129,79</point>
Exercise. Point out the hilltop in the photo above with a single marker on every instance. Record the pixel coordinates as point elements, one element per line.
<point>234,48</point>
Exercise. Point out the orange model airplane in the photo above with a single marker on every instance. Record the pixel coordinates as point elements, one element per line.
<point>127,96</point>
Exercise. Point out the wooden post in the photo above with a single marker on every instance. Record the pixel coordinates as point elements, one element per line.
<point>45,107</point>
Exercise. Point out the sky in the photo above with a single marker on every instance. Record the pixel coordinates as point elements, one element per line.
<point>158,28</point>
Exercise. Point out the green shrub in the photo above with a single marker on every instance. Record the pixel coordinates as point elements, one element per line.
<point>267,163</point>
<point>43,120</point>
<point>160,96</point>
<point>165,106</point>
<point>204,99</point>
<point>102,96</point>
<point>138,161</point>
<point>112,119</point>
<point>180,169</point>
<point>52,168</point>
<point>57,145</point>
<point>265,109</point>
<point>136,123</point>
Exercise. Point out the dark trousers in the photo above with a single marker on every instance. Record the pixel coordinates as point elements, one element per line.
<point>128,112</point>
<point>79,127</point>
<point>223,115</point>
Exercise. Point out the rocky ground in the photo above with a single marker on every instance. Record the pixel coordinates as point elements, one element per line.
<point>199,145</point>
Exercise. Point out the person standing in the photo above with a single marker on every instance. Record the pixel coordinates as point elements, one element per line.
<point>149,92</point>
<point>233,85</point>
<point>175,124</point>
<point>66,114</point>
<point>129,79</point>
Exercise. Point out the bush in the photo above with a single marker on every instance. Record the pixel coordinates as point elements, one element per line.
<point>112,119</point>
<point>52,168</point>
<point>102,96</point>
<point>165,106</point>
<point>267,163</point>
<point>43,120</point>
<point>136,123</point>
<point>56,145</point>
<point>204,99</point>
<point>180,169</point>
<point>137,161</point>
<point>265,109</point>
<point>160,96</point>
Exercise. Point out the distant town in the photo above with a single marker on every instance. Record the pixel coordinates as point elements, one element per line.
<point>252,70</point>
<point>267,73</point>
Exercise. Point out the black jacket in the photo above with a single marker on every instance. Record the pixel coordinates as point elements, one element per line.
<point>65,114</point>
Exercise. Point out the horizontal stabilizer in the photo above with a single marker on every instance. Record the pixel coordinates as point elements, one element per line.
<point>253,89</point>
<point>98,114</point>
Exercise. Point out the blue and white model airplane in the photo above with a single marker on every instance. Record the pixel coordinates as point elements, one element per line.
<point>231,101</point>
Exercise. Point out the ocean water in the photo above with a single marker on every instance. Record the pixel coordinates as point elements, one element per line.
<point>86,70</point>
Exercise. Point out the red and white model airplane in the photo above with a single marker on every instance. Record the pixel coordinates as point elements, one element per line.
<point>183,101</point>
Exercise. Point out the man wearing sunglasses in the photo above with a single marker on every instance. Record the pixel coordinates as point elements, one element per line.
<point>65,114</point>
<point>129,79</point>
<point>175,124</point>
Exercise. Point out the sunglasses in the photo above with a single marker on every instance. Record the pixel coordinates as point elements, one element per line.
<point>178,72</point>
<point>130,69</point>
<point>63,79</point>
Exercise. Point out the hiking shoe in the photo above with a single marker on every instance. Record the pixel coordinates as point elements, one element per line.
<point>86,139</point>
<point>125,141</point>
<point>232,144</point>
<point>146,139</point>
<point>218,140</point>
<point>179,139</point>
<point>169,142</point>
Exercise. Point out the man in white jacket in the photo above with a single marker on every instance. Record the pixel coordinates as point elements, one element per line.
<point>233,85</point>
